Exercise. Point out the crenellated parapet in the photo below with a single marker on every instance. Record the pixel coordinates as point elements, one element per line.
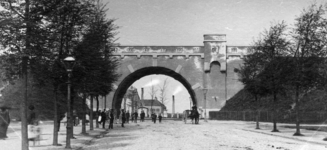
<point>156,51</point>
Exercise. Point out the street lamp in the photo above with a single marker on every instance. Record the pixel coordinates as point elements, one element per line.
<point>69,63</point>
<point>205,90</point>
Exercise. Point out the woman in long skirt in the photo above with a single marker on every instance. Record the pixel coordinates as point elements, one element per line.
<point>4,122</point>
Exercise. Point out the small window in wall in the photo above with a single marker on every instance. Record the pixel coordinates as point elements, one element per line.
<point>234,50</point>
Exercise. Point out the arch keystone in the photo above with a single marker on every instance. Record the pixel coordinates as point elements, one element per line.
<point>154,62</point>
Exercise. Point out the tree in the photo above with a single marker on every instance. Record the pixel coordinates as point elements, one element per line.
<point>96,68</point>
<point>163,92</point>
<point>272,50</point>
<point>59,28</point>
<point>249,74</point>
<point>308,47</point>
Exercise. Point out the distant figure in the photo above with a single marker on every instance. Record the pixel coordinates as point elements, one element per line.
<point>195,115</point>
<point>59,118</point>
<point>99,118</point>
<point>160,117</point>
<point>135,116</point>
<point>34,132</point>
<point>75,118</point>
<point>154,118</point>
<point>142,116</point>
<point>4,122</point>
<point>111,122</point>
<point>31,117</point>
<point>103,118</point>
<point>123,118</point>
<point>127,116</point>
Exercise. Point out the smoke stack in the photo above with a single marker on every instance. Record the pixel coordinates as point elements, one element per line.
<point>142,93</point>
<point>173,110</point>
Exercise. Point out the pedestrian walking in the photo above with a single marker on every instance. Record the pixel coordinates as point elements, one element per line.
<point>160,117</point>
<point>59,118</point>
<point>142,116</point>
<point>33,131</point>
<point>127,116</point>
<point>4,120</point>
<point>111,122</point>
<point>135,116</point>
<point>31,117</point>
<point>99,118</point>
<point>154,118</point>
<point>103,118</point>
<point>123,119</point>
<point>75,118</point>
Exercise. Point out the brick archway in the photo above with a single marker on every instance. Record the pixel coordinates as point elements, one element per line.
<point>131,78</point>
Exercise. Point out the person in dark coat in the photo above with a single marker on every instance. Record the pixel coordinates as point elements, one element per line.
<point>4,122</point>
<point>142,116</point>
<point>154,118</point>
<point>31,118</point>
<point>111,122</point>
<point>160,117</point>
<point>103,118</point>
<point>127,116</point>
<point>123,117</point>
<point>135,116</point>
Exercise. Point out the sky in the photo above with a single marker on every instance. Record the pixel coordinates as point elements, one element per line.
<point>184,22</point>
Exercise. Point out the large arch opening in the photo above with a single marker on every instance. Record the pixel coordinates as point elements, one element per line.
<point>136,75</point>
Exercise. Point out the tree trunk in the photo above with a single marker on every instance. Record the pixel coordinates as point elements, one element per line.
<point>105,102</point>
<point>274,114</point>
<point>23,111</point>
<point>297,133</point>
<point>72,120</point>
<point>258,112</point>
<point>91,114</point>
<point>257,119</point>
<point>23,107</point>
<point>96,122</point>
<point>55,121</point>
<point>83,114</point>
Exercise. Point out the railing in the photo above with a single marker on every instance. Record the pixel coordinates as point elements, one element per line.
<point>266,116</point>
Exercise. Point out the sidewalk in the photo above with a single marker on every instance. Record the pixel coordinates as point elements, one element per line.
<point>287,131</point>
<point>13,142</point>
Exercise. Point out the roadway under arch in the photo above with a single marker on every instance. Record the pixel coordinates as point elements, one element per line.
<point>131,78</point>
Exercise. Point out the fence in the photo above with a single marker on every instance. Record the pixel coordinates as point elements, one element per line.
<point>266,116</point>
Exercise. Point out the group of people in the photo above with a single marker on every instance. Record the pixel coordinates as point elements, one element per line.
<point>123,117</point>
<point>104,115</point>
<point>154,117</point>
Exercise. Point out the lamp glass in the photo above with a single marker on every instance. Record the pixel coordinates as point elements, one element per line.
<point>69,63</point>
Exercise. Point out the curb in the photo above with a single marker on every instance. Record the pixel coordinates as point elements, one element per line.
<point>286,137</point>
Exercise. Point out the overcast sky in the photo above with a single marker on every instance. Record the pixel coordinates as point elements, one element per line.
<point>183,22</point>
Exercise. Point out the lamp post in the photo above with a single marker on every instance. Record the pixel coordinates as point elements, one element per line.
<point>205,90</point>
<point>69,63</point>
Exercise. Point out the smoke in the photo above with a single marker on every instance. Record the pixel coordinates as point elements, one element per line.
<point>152,82</point>
<point>177,90</point>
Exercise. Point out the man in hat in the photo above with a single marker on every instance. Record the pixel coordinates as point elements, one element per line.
<point>4,120</point>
